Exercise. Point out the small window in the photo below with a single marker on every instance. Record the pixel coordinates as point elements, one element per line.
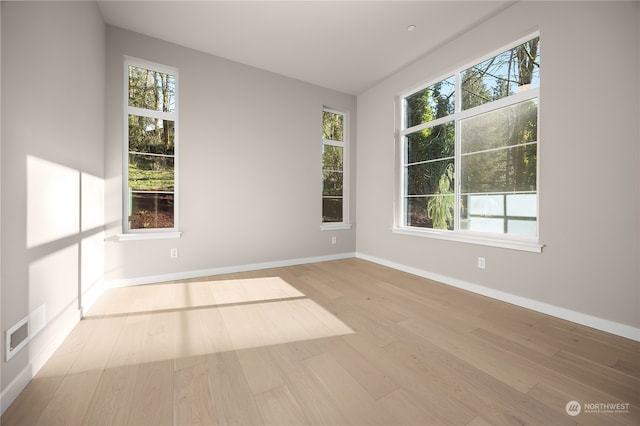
<point>469,144</point>
<point>151,136</point>
<point>334,202</point>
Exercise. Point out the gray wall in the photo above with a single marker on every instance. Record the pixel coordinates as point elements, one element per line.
<point>589,143</point>
<point>249,161</point>
<point>52,169</point>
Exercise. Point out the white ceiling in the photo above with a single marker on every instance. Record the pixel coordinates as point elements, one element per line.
<point>344,45</point>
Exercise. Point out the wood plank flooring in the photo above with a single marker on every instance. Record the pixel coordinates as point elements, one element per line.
<point>334,343</point>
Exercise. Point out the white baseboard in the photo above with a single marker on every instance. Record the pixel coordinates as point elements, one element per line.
<point>608,326</point>
<point>16,386</point>
<point>185,275</point>
<point>91,296</point>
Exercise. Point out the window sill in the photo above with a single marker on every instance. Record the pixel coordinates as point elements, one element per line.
<point>334,226</point>
<point>146,236</point>
<point>512,244</point>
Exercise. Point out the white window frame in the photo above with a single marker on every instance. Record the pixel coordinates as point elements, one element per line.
<point>344,144</point>
<point>531,244</point>
<point>148,233</point>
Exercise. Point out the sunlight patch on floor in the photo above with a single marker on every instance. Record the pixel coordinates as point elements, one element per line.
<point>182,295</point>
<point>176,320</point>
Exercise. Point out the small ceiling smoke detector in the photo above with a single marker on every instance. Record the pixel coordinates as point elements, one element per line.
<point>411,27</point>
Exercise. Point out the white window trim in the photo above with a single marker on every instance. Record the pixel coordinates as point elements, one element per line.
<point>335,226</point>
<point>345,224</point>
<point>486,239</point>
<point>164,235</point>
<point>153,233</point>
<point>529,244</point>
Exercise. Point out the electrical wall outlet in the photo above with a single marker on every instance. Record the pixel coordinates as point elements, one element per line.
<point>334,240</point>
<point>173,253</point>
<point>481,263</point>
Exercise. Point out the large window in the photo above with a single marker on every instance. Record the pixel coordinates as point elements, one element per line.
<point>334,203</point>
<point>151,133</point>
<point>469,150</point>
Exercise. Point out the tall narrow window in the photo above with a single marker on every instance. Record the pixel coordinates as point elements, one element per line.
<point>333,170</point>
<point>151,127</point>
<point>469,145</point>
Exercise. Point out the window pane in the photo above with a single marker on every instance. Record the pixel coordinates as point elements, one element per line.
<point>486,213</point>
<point>151,173</point>
<point>431,103</point>
<point>435,212</point>
<point>513,125</point>
<point>332,157</point>
<point>150,135</point>
<point>332,183</point>
<point>151,210</point>
<point>512,71</point>
<point>332,209</point>
<point>435,177</point>
<point>503,170</point>
<point>485,205</point>
<point>332,172</point>
<point>483,224</point>
<point>332,126</point>
<point>430,144</point>
<point>523,205</point>
<point>523,227</point>
<point>151,89</point>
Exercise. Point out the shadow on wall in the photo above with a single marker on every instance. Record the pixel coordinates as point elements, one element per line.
<point>65,240</point>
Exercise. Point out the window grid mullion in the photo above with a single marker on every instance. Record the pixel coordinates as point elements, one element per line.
<point>150,113</point>
<point>152,155</point>
<point>429,124</point>
<point>498,104</point>
<point>417,163</point>
<point>500,148</point>
<point>332,143</point>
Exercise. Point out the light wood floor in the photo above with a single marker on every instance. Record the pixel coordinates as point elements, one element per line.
<point>332,343</point>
